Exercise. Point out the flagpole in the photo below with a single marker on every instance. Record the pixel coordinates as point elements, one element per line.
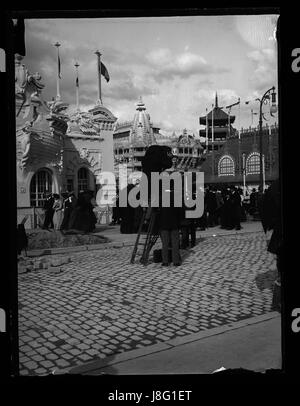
<point>77,86</point>
<point>239,118</point>
<point>244,174</point>
<point>57,45</point>
<point>212,124</point>
<point>264,174</point>
<point>212,142</point>
<point>206,141</point>
<point>229,123</point>
<point>239,136</point>
<point>99,77</point>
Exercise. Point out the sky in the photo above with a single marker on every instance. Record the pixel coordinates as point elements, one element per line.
<point>176,64</point>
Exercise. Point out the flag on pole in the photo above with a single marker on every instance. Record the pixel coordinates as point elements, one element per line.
<point>235,104</point>
<point>77,81</point>
<point>104,72</point>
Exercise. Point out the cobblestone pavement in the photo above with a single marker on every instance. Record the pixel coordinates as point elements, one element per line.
<point>99,304</point>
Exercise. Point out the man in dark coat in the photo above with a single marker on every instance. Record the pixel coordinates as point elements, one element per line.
<point>169,219</point>
<point>236,208</point>
<point>49,211</point>
<point>211,204</point>
<point>253,202</point>
<point>157,159</point>
<point>226,210</point>
<point>127,214</point>
<point>271,221</point>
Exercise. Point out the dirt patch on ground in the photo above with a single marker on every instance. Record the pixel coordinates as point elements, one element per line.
<point>39,239</point>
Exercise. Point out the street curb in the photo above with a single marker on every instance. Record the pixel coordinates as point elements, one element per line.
<point>78,248</point>
<point>107,245</point>
<point>166,345</point>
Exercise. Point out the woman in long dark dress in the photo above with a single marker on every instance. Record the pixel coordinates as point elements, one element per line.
<point>127,214</point>
<point>69,205</point>
<point>83,218</point>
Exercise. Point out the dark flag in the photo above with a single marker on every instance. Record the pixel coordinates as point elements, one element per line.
<point>77,82</point>
<point>104,72</point>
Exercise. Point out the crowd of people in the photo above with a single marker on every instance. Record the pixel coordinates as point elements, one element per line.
<point>66,213</point>
<point>225,207</point>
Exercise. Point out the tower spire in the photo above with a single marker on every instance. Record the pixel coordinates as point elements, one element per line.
<point>216,100</point>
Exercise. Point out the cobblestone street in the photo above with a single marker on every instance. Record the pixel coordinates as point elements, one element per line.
<point>99,304</point>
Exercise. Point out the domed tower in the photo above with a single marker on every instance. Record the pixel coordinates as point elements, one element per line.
<point>142,132</point>
<point>131,139</point>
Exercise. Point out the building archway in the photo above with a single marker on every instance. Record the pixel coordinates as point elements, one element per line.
<point>41,183</point>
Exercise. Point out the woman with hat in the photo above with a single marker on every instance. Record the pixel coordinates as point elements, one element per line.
<point>58,211</point>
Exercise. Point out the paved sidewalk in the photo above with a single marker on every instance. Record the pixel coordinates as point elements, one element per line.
<point>98,305</point>
<point>253,344</point>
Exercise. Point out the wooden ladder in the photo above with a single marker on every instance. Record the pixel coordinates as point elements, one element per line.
<point>150,237</point>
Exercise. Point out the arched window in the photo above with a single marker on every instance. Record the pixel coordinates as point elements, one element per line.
<point>41,183</point>
<point>226,166</point>
<point>253,164</point>
<point>83,179</point>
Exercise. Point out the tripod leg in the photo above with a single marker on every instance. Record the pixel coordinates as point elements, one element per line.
<point>138,238</point>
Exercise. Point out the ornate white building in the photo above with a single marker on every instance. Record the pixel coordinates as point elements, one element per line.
<point>132,138</point>
<point>56,152</point>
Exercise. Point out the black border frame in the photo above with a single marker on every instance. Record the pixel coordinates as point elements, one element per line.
<point>288,87</point>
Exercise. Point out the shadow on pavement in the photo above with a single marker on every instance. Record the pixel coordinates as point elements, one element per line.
<point>95,367</point>
<point>266,280</point>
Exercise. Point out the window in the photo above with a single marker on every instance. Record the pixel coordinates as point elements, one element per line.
<point>70,185</point>
<point>82,179</point>
<point>226,166</point>
<point>41,183</point>
<point>253,164</point>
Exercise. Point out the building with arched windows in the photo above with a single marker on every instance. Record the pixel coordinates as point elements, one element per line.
<point>233,157</point>
<point>237,162</point>
<point>56,151</point>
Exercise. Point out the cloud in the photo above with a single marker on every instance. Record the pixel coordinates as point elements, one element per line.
<point>264,63</point>
<point>165,65</point>
<point>127,90</point>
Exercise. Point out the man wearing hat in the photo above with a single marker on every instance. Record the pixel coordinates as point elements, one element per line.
<point>49,211</point>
